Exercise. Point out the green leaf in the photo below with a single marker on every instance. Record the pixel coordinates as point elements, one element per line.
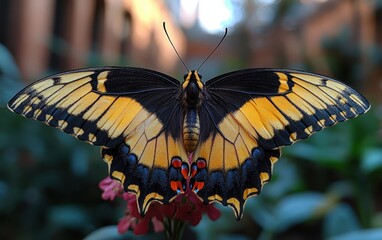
<point>111,233</point>
<point>261,213</point>
<point>208,229</point>
<point>371,160</point>
<point>291,210</point>
<point>330,148</point>
<point>297,208</point>
<point>339,220</point>
<point>68,215</point>
<point>9,76</point>
<point>108,232</point>
<point>232,236</point>
<point>285,178</point>
<point>369,234</point>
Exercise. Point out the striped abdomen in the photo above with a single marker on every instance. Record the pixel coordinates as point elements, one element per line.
<point>191,130</point>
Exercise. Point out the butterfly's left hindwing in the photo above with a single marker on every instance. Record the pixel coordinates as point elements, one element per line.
<point>132,113</point>
<point>249,114</point>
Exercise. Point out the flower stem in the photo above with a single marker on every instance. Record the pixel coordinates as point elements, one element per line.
<point>174,228</point>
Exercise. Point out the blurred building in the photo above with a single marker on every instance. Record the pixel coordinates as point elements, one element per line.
<point>67,34</point>
<point>339,38</point>
<point>320,35</point>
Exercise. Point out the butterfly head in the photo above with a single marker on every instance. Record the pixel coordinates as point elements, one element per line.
<point>192,78</point>
<point>192,88</point>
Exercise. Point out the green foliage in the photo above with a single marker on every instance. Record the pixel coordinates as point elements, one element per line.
<point>111,233</point>
<point>8,74</point>
<point>48,180</point>
<point>326,187</point>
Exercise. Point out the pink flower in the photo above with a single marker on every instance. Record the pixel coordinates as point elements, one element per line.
<point>125,223</point>
<point>157,224</point>
<point>110,188</point>
<point>186,207</point>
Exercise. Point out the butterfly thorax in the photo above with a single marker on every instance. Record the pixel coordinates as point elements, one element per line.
<point>192,97</point>
<point>192,87</point>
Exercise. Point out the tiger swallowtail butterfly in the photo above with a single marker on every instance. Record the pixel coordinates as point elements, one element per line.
<point>159,136</point>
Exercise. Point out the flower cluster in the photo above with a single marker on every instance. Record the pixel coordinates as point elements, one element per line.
<point>186,207</point>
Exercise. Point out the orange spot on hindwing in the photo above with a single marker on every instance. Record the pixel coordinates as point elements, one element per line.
<point>198,175</point>
<point>178,174</point>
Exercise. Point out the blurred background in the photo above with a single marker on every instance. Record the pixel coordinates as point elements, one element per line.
<point>327,187</point>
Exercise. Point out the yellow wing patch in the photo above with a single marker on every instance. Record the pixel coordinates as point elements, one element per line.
<point>311,104</point>
<point>227,151</point>
<point>75,104</point>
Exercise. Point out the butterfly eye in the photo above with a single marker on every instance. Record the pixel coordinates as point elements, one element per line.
<point>200,76</point>
<point>185,76</point>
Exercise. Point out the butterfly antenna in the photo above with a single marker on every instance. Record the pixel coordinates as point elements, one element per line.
<point>225,34</point>
<point>169,39</point>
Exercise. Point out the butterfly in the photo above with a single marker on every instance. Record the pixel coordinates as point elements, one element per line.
<point>160,136</point>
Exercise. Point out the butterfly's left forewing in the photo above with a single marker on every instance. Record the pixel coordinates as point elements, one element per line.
<point>249,114</point>
<point>132,113</point>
